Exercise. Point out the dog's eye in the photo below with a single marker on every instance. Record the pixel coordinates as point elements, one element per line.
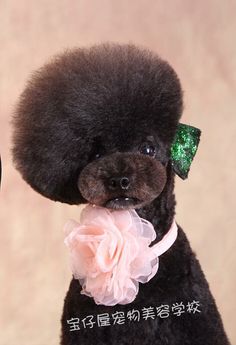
<point>97,150</point>
<point>148,149</point>
<point>96,155</point>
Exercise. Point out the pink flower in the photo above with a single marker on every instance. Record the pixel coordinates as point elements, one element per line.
<point>110,253</point>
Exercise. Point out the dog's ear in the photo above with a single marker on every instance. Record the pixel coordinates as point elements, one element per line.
<point>184,148</point>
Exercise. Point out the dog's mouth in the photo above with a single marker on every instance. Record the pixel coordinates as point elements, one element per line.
<point>122,202</point>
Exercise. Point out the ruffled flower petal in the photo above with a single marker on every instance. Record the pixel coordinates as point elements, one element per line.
<point>110,253</point>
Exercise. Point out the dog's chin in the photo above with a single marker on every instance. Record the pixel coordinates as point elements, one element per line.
<point>122,203</point>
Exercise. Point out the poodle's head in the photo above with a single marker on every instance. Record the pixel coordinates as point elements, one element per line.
<point>96,125</point>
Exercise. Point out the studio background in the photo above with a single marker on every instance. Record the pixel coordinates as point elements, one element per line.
<point>198,39</point>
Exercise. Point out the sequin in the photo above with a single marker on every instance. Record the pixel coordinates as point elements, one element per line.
<point>184,149</point>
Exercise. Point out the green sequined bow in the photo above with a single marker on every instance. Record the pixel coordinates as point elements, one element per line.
<point>184,149</point>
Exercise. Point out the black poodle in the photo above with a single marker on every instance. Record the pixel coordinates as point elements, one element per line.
<point>96,126</point>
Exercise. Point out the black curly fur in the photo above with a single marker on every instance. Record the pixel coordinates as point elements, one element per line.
<point>104,102</point>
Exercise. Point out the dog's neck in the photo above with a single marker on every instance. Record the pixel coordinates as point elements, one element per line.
<point>161,211</point>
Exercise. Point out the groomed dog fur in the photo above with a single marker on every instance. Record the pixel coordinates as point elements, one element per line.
<point>96,125</point>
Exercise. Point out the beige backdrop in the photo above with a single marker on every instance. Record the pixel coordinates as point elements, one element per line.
<point>198,39</point>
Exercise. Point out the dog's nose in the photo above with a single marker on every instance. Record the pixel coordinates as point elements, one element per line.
<point>119,182</point>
